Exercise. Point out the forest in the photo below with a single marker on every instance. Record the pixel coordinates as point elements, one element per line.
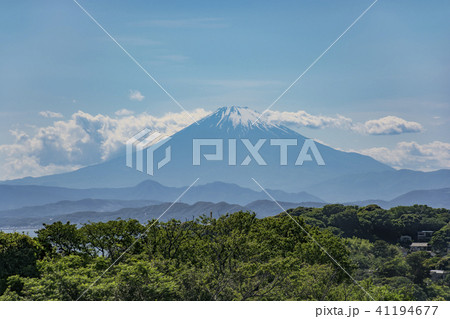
<point>332,253</point>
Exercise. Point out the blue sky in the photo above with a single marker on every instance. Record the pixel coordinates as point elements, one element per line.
<point>394,62</point>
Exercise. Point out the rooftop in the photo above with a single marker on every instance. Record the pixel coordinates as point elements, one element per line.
<point>437,271</point>
<point>419,244</point>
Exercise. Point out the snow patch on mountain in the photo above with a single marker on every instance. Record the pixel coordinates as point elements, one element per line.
<point>239,118</point>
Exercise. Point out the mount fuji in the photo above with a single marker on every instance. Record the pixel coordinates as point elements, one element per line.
<point>226,123</point>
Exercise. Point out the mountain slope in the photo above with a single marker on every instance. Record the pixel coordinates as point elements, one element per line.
<point>380,185</point>
<point>437,198</point>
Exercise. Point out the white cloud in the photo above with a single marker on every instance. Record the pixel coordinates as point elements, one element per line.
<point>124,112</point>
<point>135,95</point>
<point>50,114</point>
<point>304,119</point>
<point>82,140</point>
<point>388,125</point>
<point>412,155</point>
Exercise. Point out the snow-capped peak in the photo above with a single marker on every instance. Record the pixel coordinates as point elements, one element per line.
<point>239,116</point>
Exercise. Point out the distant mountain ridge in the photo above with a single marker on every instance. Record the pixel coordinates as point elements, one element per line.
<point>180,211</point>
<point>68,207</point>
<point>139,209</point>
<point>17,196</point>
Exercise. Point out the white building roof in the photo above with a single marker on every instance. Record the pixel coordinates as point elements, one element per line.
<point>419,245</point>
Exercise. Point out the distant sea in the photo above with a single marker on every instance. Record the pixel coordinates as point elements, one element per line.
<point>26,231</point>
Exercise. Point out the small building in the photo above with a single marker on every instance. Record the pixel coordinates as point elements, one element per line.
<point>437,274</point>
<point>419,247</point>
<point>424,235</point>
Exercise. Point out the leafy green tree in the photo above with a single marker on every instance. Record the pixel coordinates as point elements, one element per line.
<point>419,270</point>
<point>441,240</point>
<point>112,238</point>
<point>376,223</point>
<point>330,210</point>
<point>347,221</point>
<point>18,256</point>
<point>394,267</point>
<point>64,238</point>
<point>139,281</point>
<point>382,249</point>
